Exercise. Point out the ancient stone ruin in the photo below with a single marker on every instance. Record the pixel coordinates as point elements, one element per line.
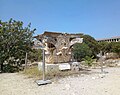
<point>58,46</point>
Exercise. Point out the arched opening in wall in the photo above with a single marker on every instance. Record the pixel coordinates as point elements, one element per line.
<point>70,52</point>
<point>71,39</point>
<point>73,49</point>
<point>51,47</point>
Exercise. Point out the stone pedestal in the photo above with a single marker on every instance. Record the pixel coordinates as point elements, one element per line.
<point>49,67</point>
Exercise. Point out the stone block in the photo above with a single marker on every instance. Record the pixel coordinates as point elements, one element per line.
<point>64,66</point>
<point>48,67</point>
<point>75,66</point>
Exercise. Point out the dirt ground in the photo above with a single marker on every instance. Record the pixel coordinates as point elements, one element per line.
<point>92,84</point>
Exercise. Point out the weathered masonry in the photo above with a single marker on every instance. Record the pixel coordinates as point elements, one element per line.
<point>58,46</point>
<point>112,39</point>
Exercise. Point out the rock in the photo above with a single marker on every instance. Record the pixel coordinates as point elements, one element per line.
<point>75,66</point>
<point>101,75</point>
<point>93,78</point>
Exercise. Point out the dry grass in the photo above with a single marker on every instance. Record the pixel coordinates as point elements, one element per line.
<point>33,72</point>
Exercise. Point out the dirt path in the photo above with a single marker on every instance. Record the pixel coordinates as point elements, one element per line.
<point>93,84</point>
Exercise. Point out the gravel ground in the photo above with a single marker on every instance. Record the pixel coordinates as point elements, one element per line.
<point>92,84</point>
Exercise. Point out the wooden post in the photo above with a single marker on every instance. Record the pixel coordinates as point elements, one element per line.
<point>26,62</point>
<point>43,64</point>
<point>101,61</point>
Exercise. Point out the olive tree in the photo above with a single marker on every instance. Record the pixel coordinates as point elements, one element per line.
<point>15,41</point>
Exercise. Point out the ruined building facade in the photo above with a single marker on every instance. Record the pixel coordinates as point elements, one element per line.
<point>58,46</point>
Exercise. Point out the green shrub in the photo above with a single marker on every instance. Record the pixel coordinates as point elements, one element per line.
<point>7,68</point>
<point>88,60</point>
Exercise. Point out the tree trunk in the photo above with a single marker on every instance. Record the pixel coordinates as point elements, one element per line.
<point>1,67</point>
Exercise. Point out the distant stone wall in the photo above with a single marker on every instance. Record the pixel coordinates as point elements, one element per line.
<point>113,39</point>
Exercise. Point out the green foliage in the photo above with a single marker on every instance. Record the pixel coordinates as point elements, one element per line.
<point>35,55</point>
<point>88,60</point>
<point>89,47</point>
<point>81,50</point>
<point>116,47</point>
<point>8,68</point>
<point>104,46</point>
<point>15,41</point>
<point>92,43</point>
<point>110,47</point>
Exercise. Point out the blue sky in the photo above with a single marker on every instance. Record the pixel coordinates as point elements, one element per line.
<point>98,18</point>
